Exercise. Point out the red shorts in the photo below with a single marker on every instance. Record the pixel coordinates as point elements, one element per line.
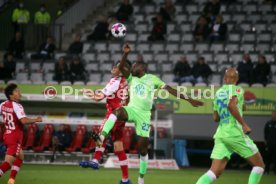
<point>117,131</point>
<point>13,143</point>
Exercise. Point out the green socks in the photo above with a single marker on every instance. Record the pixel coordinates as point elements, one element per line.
<point>207,178</point>
<point>143,165</point>
<point>109,124</point>
<point>255,175</point>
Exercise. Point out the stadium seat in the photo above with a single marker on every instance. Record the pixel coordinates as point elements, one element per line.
<point>187,37</point>
<point>174,36</point>
<point>106,66</point>
<point>45,139</point>
<point>234,36</point>
<point>265,36</point>
<point>52,83</point>
<point>232,47</point>
<point>128,138</point>
<point>192,57</point>
<point>38,82</point>
<point>101,57</point>
<point>20,66</point>
<point>247,47</point>
<point>131,37</point>
<point>90,146</point>
<point>265,8</point>
<point>49,76</point>
<point>249,36</point>
<point>30,137</point>
<point>180,18</point>
<point>161,57</point>
<point>236,57</point>
<point>65,83</point>
<point>172,47</point>
<point>263,47</point>
<point>217,47</point>
<point>79,83</point>
<point>271,85</point>
<point>86,47</point>
<point>168,78</point>
<point>77,139</point>
<point>12,82</point>
<point>100,46</point>
<point>186,26</point>
<point>88,57</point>
<point>25,82</point>
<point>202,47</point>
<point>2,82</point>
<point>95,77</point>
<point>245,26</point>
<point>114,47</point>
<point>175,57</point>
<point>222,67</point>
<point>257,85</point>
<point>201,84</point>
<point>269,16</point>
<point>151,66</point>
<point>143,47</point>
<point>192,8</point>
<point>93,66</point>
<point>221,57</point>
<point>22,76</point>
<point>187,46</point>
<point>239,17</point>
<point>142,27</point>
<point>36,77</point>
<point>106,78</point>
<point>47,67</point>
<point>187,84</point>
<point>35,66</point>
<point>166,66</point>
<point>170,28</point>
<point>208,56</point>
<point>157,47</point>
<point>243,84</point>
<point>260,26</point>
<point>213,66</point>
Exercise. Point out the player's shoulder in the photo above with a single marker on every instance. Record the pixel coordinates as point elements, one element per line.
<point>115,80</point>
<point>17,105</point>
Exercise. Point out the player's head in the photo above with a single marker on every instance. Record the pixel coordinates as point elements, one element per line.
<point>116,71</point>
<point>231,76</point>
<point>139,68</point>
<point>12,92</point>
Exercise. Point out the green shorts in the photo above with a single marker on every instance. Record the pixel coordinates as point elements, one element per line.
<point>242,145</point>
<point>141,119</point>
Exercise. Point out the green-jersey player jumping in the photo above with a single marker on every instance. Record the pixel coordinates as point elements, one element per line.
<point>138,110</point>
<point>231,135</point>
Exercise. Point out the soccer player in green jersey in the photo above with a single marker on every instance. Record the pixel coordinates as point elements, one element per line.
<point>138,110</point>
<point>231,135</point>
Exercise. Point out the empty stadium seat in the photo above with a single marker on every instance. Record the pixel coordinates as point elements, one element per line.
<point>168,78</point>
<point>90,143</point>
<point>95,77</point>
<point>100,46</point>
<point>45,139</point>
<point>77,139</point>
<point>22,76</point>
<point>36,77</point>
<point>30,137</point>
<point>172,47</point>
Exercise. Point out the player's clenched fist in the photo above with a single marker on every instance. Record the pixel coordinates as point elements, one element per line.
<point>126,48</point>
<point>38,119</point>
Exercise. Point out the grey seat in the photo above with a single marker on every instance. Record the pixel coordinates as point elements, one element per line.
<point>217,47</point>
<point>175,57</point>
<point>142,27</point>
<point>186,47</point>
<point>93,66</point>
<point>191,8</point>
<point>265,36</point>
<point>35,66</point>
<point>260,26</point>
<point>49,66</point>
<point>174,36</point>
<point>221,57</point>
<point>254,17</point>
<point>238,17</point>
<point>36,77</point>
<point>236,57</point>
<point>234,36</point>
<point>114,47</point>
<point>87,57</point>
<point>172,47</point>
<point>208,56</point>
<point>106,66</point>
<point>192,57</point>
<point>152,66</point>
<point>232,47</point>
<point>246,25</point>
<point>143,47</point>
<point>106,77</point>
<point>180,18</point>
<point>131,37</point>
<point>202,47</point>
<point>263,47</point>
<point>22,76</point>
<point>161,57</point>
<point>186,26</point>
<point>20,66</point>
<point>166,67</point>
<point>248,46</point>
<point>96,77</point>
<point>157,47</point>
<point>249,36</point>
<point>49,76</point>
<point>168,78</point>
<point>100,46</point>
<point>101,57</point>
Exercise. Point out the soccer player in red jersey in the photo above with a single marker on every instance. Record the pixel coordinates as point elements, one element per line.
<point>14,118</point>
<point>116,93</point>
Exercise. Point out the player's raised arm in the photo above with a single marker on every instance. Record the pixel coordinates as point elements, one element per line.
<point>123,63</point>
<point>233,109</point>
<point>175,93</point>
<point>27,120</point>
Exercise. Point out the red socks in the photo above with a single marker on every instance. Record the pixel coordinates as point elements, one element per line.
<point>123,163</point>
<point>15,167</point>
<point>99,151</point>
<point>4,167</point>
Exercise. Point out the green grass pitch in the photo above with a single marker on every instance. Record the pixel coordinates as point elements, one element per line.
<point>53,174</point>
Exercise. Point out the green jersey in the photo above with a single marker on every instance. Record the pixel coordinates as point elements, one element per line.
<point>142,90</point>
<point>228,125</point>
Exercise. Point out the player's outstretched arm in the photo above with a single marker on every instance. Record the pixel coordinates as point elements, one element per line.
<point>122,65</point>
<point>96,96</point>
<point>26,120</point>
<point>175,93</point>
<point>232,106</point>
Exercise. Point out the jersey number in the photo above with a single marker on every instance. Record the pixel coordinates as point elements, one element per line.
<point>145,127</point>
<point>8,117</point>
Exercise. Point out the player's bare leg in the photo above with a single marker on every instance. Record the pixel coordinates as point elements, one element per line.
<point>258,168</point>
<point>16,167</point>
<point>6,165</point>
<point>120,152</point>
<point>215,171</point>
<point>143,143</point>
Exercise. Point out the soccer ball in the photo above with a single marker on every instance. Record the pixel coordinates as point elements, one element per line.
<point>118,30</point>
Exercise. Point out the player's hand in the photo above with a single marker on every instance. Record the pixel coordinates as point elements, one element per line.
<point>38,119</point>
<point>246,129</point>
<point>89,93</point>
<point>195,103</point>
<point>126,49</point>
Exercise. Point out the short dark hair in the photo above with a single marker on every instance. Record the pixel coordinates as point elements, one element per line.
<point>9,90</point>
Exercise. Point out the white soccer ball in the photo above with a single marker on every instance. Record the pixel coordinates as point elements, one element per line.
<point>118,30</point>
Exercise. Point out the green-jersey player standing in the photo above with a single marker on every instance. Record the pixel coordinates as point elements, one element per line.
<point>231,135</point>
<point>138,111</point>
